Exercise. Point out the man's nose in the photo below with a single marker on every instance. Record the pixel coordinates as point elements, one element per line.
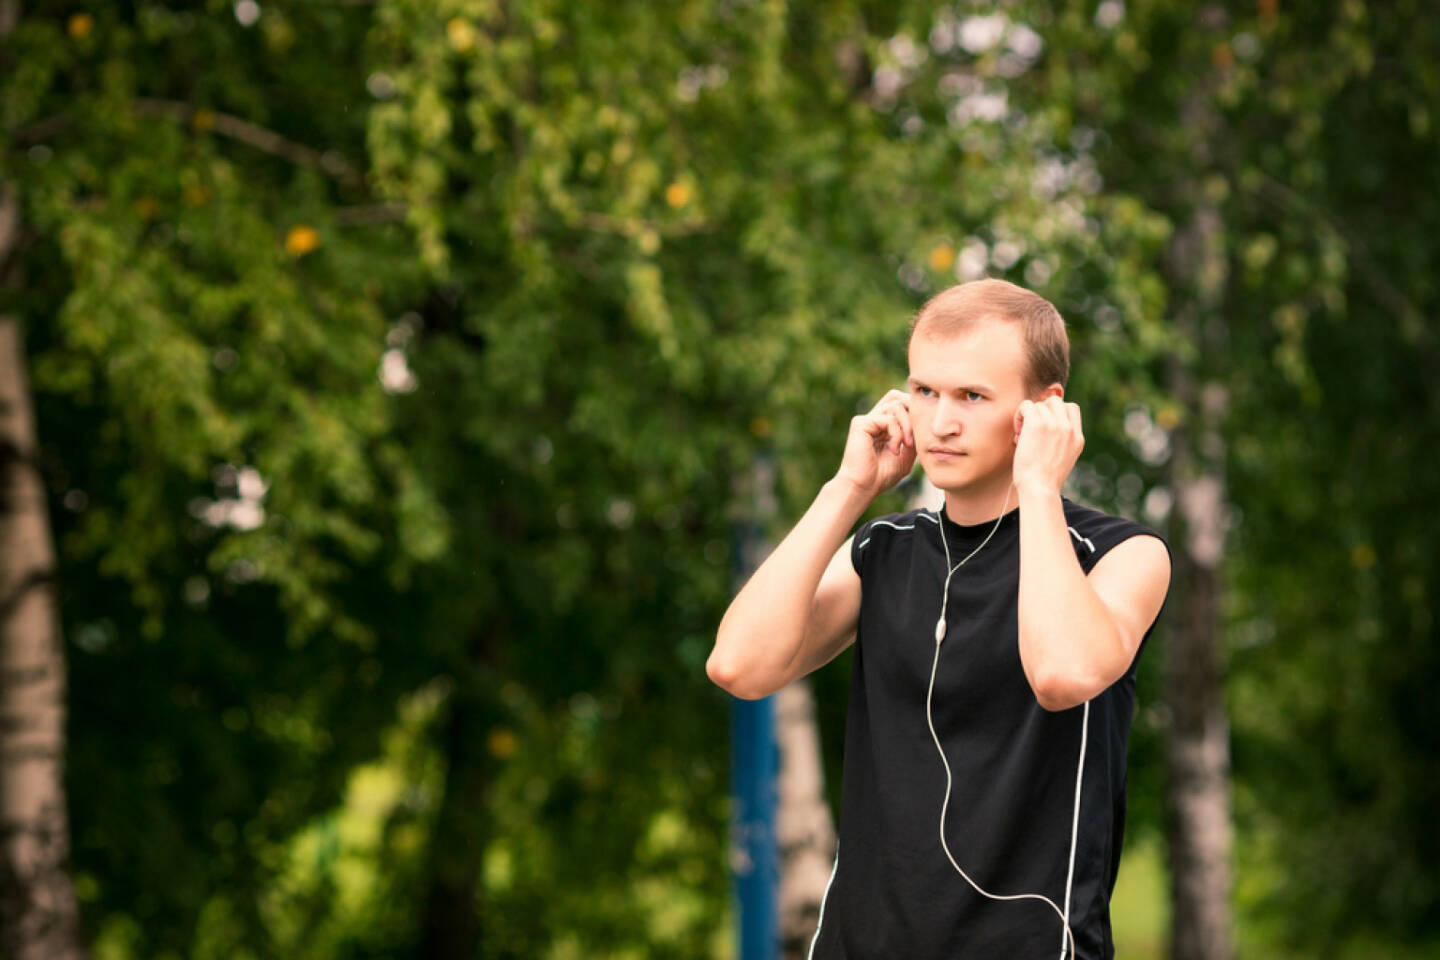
<point>947,420</point>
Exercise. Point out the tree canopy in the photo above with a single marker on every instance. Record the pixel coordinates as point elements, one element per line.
<point>399,366</point>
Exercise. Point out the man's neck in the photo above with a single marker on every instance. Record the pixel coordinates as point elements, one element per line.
<point>969,507</point>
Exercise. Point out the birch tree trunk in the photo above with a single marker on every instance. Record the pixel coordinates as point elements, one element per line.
<point>1197,742</point>
<point>39,919</point>
<point>38,915</point>
<point>804,829</point>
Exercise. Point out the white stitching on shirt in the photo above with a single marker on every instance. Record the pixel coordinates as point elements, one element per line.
<point>895,526</point>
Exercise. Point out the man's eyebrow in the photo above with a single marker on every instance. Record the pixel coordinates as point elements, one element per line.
<point>977,387</point>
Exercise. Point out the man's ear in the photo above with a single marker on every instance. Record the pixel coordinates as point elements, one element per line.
<point>1054,390</point>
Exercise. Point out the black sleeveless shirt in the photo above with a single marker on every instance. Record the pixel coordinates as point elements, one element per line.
<point>1027,813</point>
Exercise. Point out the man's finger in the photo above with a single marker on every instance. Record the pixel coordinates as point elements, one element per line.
<point>896,433</point>
<point>874,424</point>
<point>904,415</point>
<point>895,404</point>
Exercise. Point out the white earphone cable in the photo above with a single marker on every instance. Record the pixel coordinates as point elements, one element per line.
<point>929,696</point>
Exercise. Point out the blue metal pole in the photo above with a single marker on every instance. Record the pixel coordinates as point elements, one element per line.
<point>755,762</point>
<point>755,857</point>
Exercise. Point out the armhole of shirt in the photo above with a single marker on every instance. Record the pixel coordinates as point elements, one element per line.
<point>862,548</point>
<point>857,546</point>
<point>1092,541</point>
<point>1106,536</point>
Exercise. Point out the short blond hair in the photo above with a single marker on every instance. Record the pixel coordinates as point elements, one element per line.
<point>1047,346</point>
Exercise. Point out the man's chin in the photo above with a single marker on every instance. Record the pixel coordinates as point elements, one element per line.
<point>955,475</point>
<point>949,476</point>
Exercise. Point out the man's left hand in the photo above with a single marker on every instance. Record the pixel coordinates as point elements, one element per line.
<point>1048,441</point>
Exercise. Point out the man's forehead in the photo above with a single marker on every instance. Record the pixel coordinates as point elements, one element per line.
<point>985,353</point>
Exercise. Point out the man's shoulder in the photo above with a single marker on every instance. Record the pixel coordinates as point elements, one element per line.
<point>883,529</point>
<point>1097,531</point>
<point>896,522</point>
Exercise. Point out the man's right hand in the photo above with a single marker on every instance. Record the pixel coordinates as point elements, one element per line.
<point>880,450</point>
<point>801,607</point>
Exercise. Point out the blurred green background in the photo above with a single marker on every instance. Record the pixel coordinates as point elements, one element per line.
<point>397,366</point>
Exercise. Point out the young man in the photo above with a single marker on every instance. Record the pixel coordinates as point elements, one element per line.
<point>993,682</point>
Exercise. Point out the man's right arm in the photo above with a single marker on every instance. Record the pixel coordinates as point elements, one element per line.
<point>797,612</point>
<point>801,607</point>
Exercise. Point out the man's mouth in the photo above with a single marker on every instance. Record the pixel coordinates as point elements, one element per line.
<point>946,452</point>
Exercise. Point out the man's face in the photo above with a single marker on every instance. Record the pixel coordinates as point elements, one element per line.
<point>964,389</point>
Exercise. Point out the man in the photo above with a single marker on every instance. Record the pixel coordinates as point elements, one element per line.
<point>993,682</point>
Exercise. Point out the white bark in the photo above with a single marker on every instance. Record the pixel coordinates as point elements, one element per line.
<point>804,830</point>
<point>1197,741</point>
<point>38,913</point>
<point>39,919</point>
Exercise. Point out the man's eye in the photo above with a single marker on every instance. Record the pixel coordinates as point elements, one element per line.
<point>923,391</point>
<point>972,396</point>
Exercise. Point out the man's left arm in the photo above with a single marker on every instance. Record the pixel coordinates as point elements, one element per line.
<point>1078,633</point>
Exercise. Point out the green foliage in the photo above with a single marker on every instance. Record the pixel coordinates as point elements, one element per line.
<point>399,367</point>
<point>205,334</point>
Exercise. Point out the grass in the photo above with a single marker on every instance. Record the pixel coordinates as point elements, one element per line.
<point>1140,906</point>
<point>1140,919</point>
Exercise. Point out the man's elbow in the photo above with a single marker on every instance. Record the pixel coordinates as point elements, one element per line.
<point>1060,684</point>
<point>721,672</point>
<point>728,676</point>
<point>1056,691</point>
<point>1055,697</point>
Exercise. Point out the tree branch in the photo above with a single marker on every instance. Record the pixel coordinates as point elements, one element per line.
<point>327,162</point>
<point>204,120</point>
